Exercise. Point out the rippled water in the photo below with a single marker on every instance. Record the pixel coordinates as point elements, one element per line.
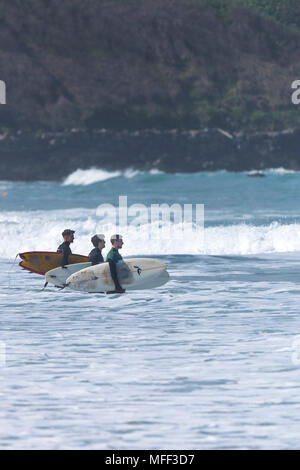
<point>208,361</point>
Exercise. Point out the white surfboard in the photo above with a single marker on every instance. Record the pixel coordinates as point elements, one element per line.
<point>58,276</point>
<point>156,281</point>
<point>133,274</point>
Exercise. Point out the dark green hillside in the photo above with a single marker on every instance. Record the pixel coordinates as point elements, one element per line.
<point>136,64</point>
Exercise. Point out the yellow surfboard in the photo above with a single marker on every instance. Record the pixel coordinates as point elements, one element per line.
<point>40,262</point>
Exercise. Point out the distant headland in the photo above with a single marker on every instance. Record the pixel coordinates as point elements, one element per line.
<point>179,85</point>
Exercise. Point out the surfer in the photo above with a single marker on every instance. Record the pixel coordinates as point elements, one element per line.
<point>64,248</point>
<point>113,258</point>
<point>95,256</point>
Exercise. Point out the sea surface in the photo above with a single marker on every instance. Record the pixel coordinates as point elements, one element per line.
<point>211,360</point>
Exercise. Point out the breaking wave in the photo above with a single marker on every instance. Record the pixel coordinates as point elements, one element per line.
<point>96,175</point>
<point>41,230</point>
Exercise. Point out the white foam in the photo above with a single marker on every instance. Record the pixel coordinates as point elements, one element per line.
<point>97,175</point>
<point>281,171</point>
<point>91,176</point>
<point>250,239</point>
<point>41,230</point>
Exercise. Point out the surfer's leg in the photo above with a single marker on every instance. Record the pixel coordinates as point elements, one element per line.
<point>113,272</point>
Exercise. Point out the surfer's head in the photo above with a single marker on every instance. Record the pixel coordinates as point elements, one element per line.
<point>98,241</point>
<point>117,241</point>
<point>68,235</point>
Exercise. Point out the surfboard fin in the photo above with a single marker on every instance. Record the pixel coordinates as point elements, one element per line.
<point>45,285</point>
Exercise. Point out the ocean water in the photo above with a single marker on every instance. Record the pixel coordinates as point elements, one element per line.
<point>210,360</point>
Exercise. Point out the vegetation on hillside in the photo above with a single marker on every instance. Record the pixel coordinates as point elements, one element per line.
<point>135,64</point>
<point>286,12</point>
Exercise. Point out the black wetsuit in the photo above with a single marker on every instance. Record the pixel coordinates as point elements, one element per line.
<point>65,250</point>
<point>95,256</point>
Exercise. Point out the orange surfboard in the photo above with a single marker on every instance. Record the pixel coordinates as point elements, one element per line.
<point>40,262</point>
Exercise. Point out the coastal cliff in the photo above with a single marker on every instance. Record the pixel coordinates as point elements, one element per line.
<point>53,156</point>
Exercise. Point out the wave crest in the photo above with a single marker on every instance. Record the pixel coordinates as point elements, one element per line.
<point>97,175</point>
<point>41,230</point>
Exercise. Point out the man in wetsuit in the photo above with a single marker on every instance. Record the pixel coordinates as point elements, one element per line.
<point>95,256</point>
<point>64,248</point>
<point>113,257</point>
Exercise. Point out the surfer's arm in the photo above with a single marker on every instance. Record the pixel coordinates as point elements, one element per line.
<point>113,273</point>
<point>65,256</point>
<point>95,257</point>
